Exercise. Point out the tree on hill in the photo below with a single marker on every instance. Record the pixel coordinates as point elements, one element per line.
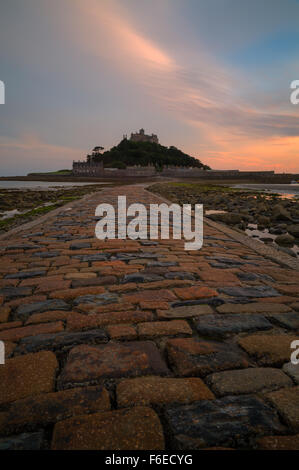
<point>131,153</point>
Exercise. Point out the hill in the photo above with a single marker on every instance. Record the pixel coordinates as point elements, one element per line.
<point>129,153</point>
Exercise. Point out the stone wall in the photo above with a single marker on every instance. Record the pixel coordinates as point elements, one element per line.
<point>97,169</point>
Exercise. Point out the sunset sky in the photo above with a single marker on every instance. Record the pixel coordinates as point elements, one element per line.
<point>211,77</point>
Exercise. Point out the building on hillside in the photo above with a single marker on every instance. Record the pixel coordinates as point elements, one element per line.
<point>142,137</point>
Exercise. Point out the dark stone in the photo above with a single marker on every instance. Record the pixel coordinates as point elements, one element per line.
<point>254,277</point>
<point>10,292</point>
<point>193,357</point>
<point>96,257</point>
<point>26,441</point>
<point>223,266</point>
<point>60,341</point>
<point>162,264</point>
<point>130,256</point>
<point>148,243</point>
<point>21,247</point>
<point>214,301</point>
<point>67,224</point>
<point>288,320</point>
<point>254,292</point>
<point>90,364</point>
<point>100,299</point>
<point>79,246</point>
<point>230,421</point>
<point>220,326</point>
<point>24,311</point>
<point>25,274</point>
<point>94,281</point>
<point>46,254</point>
<point>139,277</point>
<point>180,275</point>
<point>225,260</point>
<point>238,300</point>
<point>36,234</point>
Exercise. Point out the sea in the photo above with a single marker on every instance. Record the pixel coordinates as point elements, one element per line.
<point>286,190</point>
<point>8,184</point>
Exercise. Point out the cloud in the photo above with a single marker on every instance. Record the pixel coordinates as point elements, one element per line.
<point>200,91</point>
<point>29,149</point>
<point>107,64</point>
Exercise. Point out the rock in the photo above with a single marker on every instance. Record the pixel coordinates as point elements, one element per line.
<point>254,292</point>
<point>88,364</point>
<point>280,213</point>
<point>225,260</point>
<point>139,277</point>
<point>286,401</point>
<point>185,312</point>
<point>221,326</point>
<point>294,230</point>
<point>60,341</point>
<point>97,257</point>
<point>276,231</point>
<point>136,428</point>
<point>161,390</point>
<point>24,311</point>
<point>254,307</point>
<point>263,220</point>
<point>287,251</point>
<point>192,357</point>
<point>46,254</point>
<point>180,275</point>
<point>100,299</point>
<point>268,350</point>
<point>23,376</point>
<point>226,421</point>
<point>47,408</point>
<point>232,218</point>
<point>80,245</point>
<point>279,442</point>
<point>25,274</point>
<point>162,264</point>
<point>11,292</point>
<point>26,441</point>
<point>285,240</point>
<point>245,381</point>
<point>292,370</point>
<point>288,320</point>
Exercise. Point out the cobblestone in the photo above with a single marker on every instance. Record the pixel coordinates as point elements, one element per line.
<point>201,337</point>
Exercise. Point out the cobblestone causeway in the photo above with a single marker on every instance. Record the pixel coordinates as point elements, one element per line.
<point>124,344</point>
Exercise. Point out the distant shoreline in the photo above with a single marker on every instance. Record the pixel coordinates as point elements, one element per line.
<point>275,179</point>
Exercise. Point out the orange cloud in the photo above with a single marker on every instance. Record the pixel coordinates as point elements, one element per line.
<point>233,132</point>
<point>272,153</point>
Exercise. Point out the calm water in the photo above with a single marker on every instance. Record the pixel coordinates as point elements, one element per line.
<point>291,190</point>
<point>39,184</point>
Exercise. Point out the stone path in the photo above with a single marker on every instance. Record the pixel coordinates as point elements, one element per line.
<point>143,345</point>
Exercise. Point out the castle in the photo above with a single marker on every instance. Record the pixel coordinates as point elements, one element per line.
<point>94,166</point>
<point>142,137</point>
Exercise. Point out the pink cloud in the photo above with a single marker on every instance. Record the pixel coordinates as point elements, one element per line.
<point>30,149</point>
